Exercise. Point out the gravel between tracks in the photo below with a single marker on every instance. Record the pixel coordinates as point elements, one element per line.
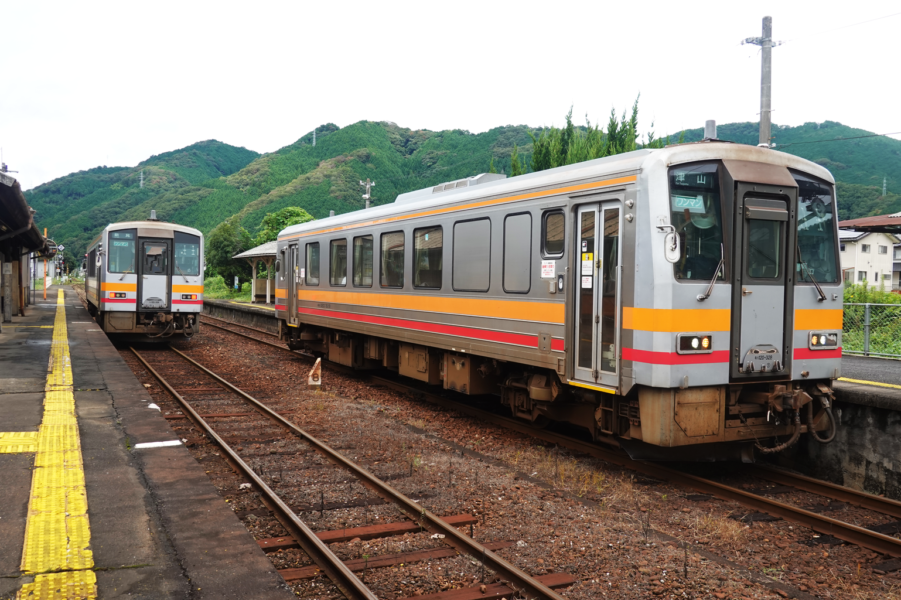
<point>564,513</point>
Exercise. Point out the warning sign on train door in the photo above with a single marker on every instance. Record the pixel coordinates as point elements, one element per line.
<point>548,269</point>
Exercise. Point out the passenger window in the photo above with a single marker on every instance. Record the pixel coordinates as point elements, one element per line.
<point>313,264</point>
<point>518,253</point>
<point>363,261</point>
<point>552,231</point>
<point>337,263</point>
<point>392,257</point>
<point>427,257</point>
<point>472,255</point>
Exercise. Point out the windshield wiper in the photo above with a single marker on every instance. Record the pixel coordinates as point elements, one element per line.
<point>822,297</point>
<point>705,295</point>
<point>180,271</point>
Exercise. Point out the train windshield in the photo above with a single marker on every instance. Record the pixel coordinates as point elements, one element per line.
<point>697,217</point>
<point>122,251</point>
<point>816,230</point>
<point>187,254</point>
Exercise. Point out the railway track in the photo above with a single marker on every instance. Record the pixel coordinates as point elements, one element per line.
<point>874,540</point>
<point>247,438</point>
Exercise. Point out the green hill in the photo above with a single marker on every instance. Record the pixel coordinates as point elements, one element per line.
<point>205,183</point>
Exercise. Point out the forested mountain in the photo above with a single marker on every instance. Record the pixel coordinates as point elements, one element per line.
<point>205,183</point>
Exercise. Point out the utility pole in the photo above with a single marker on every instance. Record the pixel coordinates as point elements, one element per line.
<point>314,137</point>
<point>142,179</point>
<point>883,185</point>
<point>766,44</point>
<point>367,184</point>
<point>45,268</point>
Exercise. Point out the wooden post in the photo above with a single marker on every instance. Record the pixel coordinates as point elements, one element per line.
<point>269,275</point>
<point>7,280</point>
<point>253,281</point>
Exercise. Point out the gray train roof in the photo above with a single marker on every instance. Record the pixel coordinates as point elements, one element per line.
<point>152,224</point>
<point>630,162</point>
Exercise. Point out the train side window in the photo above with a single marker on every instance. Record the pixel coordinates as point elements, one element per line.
<point>363,261</point>
<point>337,263</point>
<point>472,255</point>
<point>553,230</point>
<point>313,264</point>
<point>427,257</point>
<point>92,263</point>
<point>392,259</point>
<point>518,253</point>
<point>122,251</point>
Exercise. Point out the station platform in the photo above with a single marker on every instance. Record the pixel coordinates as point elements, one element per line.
<point>92,506</point>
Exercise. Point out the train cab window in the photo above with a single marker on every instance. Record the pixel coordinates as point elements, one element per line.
<point>553,228</point>
<point>337,263</point>
<point>392,259</point>
<point>92,263</point>
<point>156,258</point>
<point>122,251</point>
<point>518,253</point>
<point>816,231</point>
<point>363,261</point>
<point>697,218</point>
<point>312,274</point>
<point>427,257</point>
<point>187,254</point>
<point>472,255</point>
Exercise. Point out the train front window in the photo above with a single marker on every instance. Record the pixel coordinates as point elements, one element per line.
<point>187,254</point>
<point>156,258</point>
<point>816,231</point>
<point>697,216</point>
<point>122,251</point>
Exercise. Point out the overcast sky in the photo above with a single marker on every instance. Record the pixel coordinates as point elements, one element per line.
<point>90,83</point>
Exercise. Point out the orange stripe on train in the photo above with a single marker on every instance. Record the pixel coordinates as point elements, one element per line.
<point>187,289</point>
<point>818,318</point>
<point>118,287</point>
<point>522,310</point>
<point>480,204</point>
<point>676,319</point>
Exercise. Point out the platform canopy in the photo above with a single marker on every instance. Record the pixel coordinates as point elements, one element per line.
<point>884,223</point>
<point>18,232</point>
<point>264,253</point>
<point>261,252</point>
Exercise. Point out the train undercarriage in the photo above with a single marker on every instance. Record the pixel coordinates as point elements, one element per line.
<point>724,422</point>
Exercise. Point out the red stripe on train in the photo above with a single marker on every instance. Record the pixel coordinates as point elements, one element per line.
<point>281,307</point>
<point>518,339</point>
<point>672,358</point>
<point>119,300</point>
<point>807,353</point>
<point>187,301</point>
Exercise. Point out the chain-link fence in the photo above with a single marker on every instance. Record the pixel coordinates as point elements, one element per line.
<point>872,329</point>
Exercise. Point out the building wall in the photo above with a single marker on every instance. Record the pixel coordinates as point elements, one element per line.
<point>860,265</point>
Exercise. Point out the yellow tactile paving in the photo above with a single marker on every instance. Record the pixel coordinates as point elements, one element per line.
<point>57,548</point>
<point>18,441</point>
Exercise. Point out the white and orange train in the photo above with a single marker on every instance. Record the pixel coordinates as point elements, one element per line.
<point>683,302</point>
<point>146,277</point>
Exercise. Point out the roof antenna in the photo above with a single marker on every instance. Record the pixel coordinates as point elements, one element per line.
<point>153,215</point>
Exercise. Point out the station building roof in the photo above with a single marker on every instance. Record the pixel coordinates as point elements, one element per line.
<point>885,223</point>
<point>18,231</point>
<point>262,251</point>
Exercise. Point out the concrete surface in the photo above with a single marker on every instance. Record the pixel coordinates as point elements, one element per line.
<point>159,529</point>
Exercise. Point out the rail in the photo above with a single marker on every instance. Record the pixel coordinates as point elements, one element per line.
<point>519,579</point>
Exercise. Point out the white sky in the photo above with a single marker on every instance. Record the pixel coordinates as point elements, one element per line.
<point>89,83</point>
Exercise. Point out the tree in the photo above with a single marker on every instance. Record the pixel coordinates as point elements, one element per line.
<point>226,240</point>
<point>273,223</point>
<point>515,167</point>
<point>491,167</point>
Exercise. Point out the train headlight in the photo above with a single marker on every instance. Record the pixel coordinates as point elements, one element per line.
<point>189,296</point>
<point>694,343</point>
<point>117,295</point>
<point>823,340</point>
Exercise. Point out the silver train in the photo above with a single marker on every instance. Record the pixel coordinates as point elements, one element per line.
<point>683,302</point>
<point>146,278</point>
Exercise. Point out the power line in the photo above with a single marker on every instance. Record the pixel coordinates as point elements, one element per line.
<point>841,139</point>
<point>810,35</point>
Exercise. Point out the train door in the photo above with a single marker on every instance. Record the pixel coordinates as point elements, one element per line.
<point>155,256</point>
<point>597,303</point>
<point>761,281</point>
<point>292,281</point>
